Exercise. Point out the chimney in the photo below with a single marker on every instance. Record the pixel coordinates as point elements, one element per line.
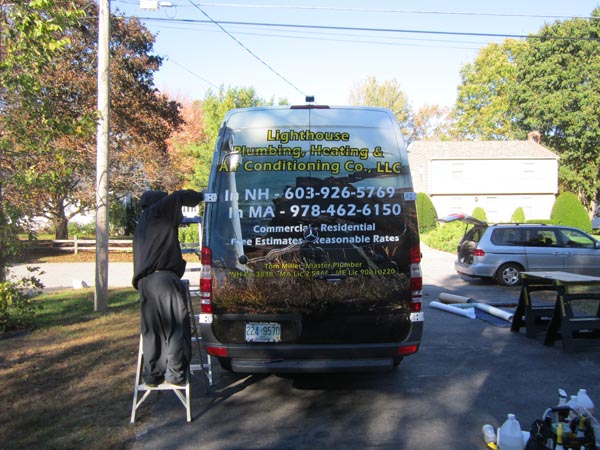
<point>535,136</point>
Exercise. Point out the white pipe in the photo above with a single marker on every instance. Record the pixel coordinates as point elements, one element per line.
<point>465,312</point>
<point>500,313</point>
<point>452,298</point>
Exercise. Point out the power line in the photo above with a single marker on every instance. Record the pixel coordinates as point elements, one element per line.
<point>254,55</point>
<point>379,30</point>
<point>193,73</point>
<point>349,38</point>
<point>399,11</point>
<point>337,31</point>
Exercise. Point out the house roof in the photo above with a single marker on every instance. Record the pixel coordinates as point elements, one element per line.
<point>480,150</point>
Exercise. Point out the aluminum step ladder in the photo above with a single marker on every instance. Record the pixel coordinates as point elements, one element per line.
<point>200,360</point>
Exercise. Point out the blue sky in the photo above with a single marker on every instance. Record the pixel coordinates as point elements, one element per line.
<point>292,62</point>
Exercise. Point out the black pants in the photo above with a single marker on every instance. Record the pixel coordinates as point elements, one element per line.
<point>165,324</point>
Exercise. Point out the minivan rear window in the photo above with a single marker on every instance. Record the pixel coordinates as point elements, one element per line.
<point>507,237</point>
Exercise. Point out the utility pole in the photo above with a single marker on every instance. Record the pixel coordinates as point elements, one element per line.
<point>102,157</point>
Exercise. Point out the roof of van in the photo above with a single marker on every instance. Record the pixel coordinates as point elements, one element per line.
<point>291,115</point>
<point>308,106</point>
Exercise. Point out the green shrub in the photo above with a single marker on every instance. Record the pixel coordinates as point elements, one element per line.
<point>445,237</point>
<point>569,211</point>
<point>518,216</point>
<point>17,308</point>
<point>87,230</point>
<point>479,214</point>
<point>542,221</point>
<point>188,233</point>
<point>426,213</point>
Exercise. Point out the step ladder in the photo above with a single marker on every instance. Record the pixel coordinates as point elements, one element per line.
<point>200,360</point>
<point>182,392</point>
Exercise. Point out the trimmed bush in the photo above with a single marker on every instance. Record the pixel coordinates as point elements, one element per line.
<point>426,213</point>
<point>445,237</point>
<point>541,221</point>
<point>479,214</point>
<point>569,211</point>
<point>518,216</point>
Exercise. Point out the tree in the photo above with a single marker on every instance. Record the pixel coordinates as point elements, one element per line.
<point>61,174</point>
<point>385,95</point>
<point>483,109</point>
<point>558,93</point>
<point>182,145</point>
<point>433,123</point>
<point>215,106</point>
<point>31,35</point>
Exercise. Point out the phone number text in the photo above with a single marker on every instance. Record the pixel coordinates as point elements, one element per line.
<point>335,192</point>
<point>346,210</point>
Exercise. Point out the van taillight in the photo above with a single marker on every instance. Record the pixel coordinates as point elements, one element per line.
<point>206,282</point>
<point>416,279</point>
<point>478,252</point>
<point>216,351</point>
<point>415,254</point>
<point>407,350</point>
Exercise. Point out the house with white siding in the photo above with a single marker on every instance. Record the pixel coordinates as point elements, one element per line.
<point>498,176</point>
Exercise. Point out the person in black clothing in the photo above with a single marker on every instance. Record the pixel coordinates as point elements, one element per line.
<point>157,270</point>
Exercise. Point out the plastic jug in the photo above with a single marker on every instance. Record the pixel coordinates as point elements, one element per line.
<point>573,403</point>
<point>585,401</point>
<point>509,434</point>
<point>489,435</point>
<point>562,397</point>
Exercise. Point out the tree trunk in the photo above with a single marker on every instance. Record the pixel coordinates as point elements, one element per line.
<point>61,227</point>
<point>3,240</point>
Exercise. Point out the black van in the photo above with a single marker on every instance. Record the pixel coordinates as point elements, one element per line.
<point>311,257</point>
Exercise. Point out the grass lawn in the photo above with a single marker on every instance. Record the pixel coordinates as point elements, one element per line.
<point>68,384</point>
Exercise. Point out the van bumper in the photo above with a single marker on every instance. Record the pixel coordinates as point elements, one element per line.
<point>312,365</point>
<point>475,270</point>
<point>290,358</point>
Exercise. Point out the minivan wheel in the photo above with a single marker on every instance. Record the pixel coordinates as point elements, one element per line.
<point>509,274</point>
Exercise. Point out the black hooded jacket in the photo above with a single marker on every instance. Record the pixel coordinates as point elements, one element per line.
<point>155,242</point>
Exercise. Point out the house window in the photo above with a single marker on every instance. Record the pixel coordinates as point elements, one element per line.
<point>527,167</point>
<point>457,169</point>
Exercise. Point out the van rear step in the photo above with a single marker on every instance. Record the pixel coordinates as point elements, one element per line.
<point>312,365</point>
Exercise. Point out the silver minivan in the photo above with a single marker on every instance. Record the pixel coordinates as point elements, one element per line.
<point>311,256</point>
<point>503,251</point>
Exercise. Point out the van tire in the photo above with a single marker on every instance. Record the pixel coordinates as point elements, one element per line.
<point>397,361</point>
<point>509,274</point>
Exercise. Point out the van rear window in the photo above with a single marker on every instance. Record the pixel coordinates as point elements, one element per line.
<point>315,216</point>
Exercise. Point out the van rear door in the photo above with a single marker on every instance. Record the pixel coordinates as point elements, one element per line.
<point>315,231</point>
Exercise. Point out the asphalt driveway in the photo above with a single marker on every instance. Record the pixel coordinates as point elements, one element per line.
<point>467,373</point>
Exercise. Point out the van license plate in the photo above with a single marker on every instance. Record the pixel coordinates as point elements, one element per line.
<point>263,332</point>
